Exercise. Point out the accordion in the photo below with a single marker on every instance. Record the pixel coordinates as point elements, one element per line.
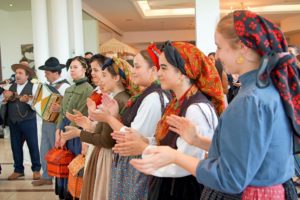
<point>44,98</point>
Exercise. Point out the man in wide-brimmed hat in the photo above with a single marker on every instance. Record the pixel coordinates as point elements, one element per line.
<point>21,120</point>
<point>52,69</point>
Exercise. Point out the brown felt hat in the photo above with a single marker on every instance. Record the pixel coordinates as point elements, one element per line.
<point>14,67</point>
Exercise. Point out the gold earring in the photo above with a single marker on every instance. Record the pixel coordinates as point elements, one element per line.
<point>240,60</point>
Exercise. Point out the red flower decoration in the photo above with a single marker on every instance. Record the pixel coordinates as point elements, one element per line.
<point>252,25</point>
<point>296,101</point>
<point>250,14</point>
<point>266,43</point>
<point>240,28</point>
<point>256,38</point>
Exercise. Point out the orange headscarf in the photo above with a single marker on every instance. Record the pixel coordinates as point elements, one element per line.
<point>195,65</point>
<point>199,68</point>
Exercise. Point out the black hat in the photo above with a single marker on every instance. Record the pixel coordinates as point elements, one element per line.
<point>52,64</point>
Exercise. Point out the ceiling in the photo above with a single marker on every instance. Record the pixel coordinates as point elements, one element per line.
<point>162,4</point>
<point>124,15</point>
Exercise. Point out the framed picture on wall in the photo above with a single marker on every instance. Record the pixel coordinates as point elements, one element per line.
<point>28,53</point>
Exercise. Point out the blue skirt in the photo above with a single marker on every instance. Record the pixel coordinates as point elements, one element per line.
<point>127,183</point>
<point>74,145</point>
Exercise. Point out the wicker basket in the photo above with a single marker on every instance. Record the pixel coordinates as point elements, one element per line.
<point>75,179</point>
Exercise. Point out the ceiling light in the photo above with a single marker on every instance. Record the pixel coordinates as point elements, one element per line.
<point>10,5</point>
<point>144,8</point>
<point>269,9</point>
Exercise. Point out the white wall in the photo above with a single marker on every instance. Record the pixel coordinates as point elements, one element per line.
<point>106,34</point>
<point>142,39</point>
<point>158,36</point>
<point>96,34</point>
<point>290,24</point>
<point>294,38</point>
<point>16,29</point>
<point>90,34</point>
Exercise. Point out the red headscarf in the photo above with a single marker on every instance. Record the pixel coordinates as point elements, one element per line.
<point>154,53</point>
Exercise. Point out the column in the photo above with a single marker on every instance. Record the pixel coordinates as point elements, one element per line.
<point>75,27</point>
<point>41,53</point>
<point>59,32</point>
<point>207,17</point>
<point>40,35</point>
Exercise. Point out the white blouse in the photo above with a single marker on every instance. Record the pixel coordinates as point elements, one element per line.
<point>206,121</point>
<point>148,115</point>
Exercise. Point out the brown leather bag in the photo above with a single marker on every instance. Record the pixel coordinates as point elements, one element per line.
<point>57,162</point>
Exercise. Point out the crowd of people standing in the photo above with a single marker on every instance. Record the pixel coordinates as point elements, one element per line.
<point>176,125</point>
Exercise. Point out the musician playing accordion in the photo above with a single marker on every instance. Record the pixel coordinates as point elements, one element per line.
<point>57,84</point>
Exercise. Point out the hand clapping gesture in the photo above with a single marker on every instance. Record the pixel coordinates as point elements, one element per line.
<point>110,104</point>
<point>129,142</point>
<point>70,133</point>
<point>154,157</point>
<point>183,127</point>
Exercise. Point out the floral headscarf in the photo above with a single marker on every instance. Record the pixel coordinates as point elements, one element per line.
<point>122,68</point>
<point>197,66</point>
<point>277,64</point>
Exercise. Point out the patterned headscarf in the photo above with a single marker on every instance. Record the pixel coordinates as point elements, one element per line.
<point>122,68</point>
<point>197,66</point>
<point>277,65</point>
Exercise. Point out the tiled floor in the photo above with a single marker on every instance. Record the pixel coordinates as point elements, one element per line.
<point>20,189</point>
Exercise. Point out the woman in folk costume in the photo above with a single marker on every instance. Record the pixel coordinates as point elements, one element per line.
<point>142,112</point>
<point>115,81</point>
<point>74,99</point>
<point>96,63</point>
<point>197,90</point>
<point>250,156</point>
